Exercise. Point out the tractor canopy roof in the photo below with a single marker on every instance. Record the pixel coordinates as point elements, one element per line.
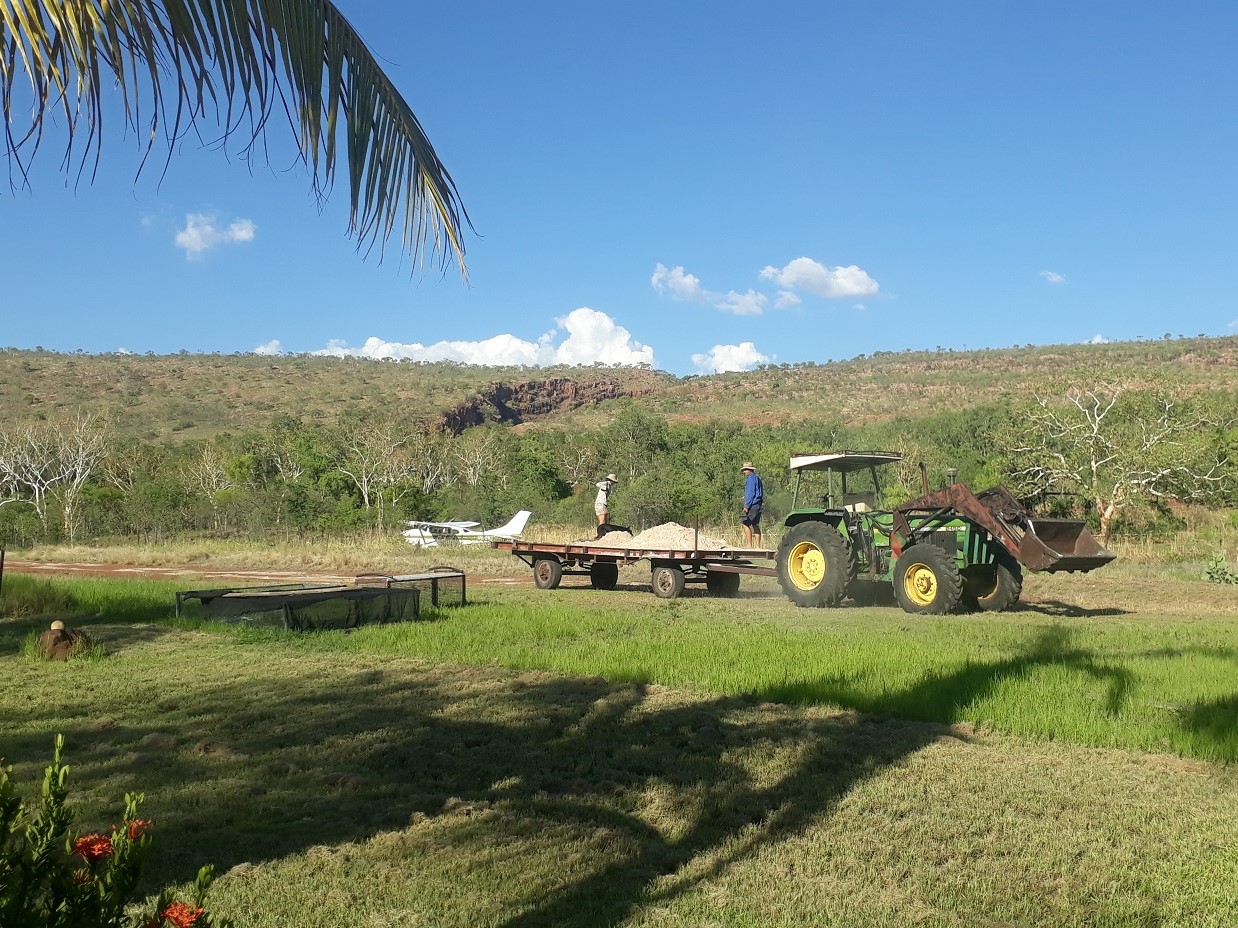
<point>842,461</point>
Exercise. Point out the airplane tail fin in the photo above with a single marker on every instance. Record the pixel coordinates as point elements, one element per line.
<point>512,528</point>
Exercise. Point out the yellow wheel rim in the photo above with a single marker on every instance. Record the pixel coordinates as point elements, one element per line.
<point>807,565</point>
<point>920,584</point>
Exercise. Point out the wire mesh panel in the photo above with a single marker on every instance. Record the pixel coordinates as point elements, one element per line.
<point>440,586</point>
<point>303,607</point>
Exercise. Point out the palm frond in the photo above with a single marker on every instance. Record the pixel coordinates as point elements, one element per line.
<point>177,65</point>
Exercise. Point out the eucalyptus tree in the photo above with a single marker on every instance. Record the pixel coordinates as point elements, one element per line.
<point>171,67</point>
<point>1118,447</point>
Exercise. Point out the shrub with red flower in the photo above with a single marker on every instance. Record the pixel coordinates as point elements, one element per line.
<point>181,914</point>
<point>93,847</point>
<point>45,884</point>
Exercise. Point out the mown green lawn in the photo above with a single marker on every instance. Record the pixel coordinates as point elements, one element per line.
<point>585,758</point>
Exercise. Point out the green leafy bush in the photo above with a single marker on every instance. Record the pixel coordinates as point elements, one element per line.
<point>1219,572</point>
<point>50,878</point>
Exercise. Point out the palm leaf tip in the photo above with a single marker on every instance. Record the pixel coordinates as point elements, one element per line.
<point>176,64</point>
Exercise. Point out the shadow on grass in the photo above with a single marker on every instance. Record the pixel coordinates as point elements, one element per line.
<point>942,697</point>
<point>1216,719</point>
<point>244,770</point>
<point>1066,610</point>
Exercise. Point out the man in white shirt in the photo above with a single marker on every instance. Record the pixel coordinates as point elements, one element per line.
<point>601,505</point>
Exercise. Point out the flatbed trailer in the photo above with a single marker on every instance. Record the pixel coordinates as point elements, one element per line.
<point>670,568</point>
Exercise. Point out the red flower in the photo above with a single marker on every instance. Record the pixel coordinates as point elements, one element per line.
<point>181,914</point>
<point>92,847</point>
<point>139,827</point>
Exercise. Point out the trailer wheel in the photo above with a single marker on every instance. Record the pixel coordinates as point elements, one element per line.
<point>667,581</point>
<point>604,575</point>
<point>722,583</point>
<point>992,587</point>
<point>813,564</point>
<point>926,580</point>
<point>547,572</point>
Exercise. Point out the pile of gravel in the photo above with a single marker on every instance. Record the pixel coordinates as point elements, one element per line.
<point>670,536</point>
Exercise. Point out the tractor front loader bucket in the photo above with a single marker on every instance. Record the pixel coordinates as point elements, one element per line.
<point>1038,544</point>
<point>1061,544</point>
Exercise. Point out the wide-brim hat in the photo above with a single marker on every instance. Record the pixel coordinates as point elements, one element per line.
<point>748,466</point>
<point>612,477</point>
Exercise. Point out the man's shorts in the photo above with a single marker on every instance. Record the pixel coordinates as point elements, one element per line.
<point>753,516</point>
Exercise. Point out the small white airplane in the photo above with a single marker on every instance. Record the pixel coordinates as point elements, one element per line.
<point>431,534</point>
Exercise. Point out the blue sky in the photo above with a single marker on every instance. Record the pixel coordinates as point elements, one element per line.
<point>698,186</point>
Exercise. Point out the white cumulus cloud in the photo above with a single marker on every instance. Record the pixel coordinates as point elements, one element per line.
<point>787,298</point>
<point>201,235</point>
<point>271,347</point>
<point>583,336</point>
<point>1097,339</point>
<point>809,276</point>
<point>719,358</point>
<point>749,303</point>
<point>678,284</point>
<point>1053,277</point>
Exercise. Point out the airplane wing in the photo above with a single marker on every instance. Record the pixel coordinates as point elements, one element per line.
<point>447,526</point>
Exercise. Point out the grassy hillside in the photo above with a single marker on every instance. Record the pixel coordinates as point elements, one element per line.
<point>195,396</point>
<point>889,384</point>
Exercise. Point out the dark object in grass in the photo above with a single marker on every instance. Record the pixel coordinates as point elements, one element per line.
<point>59,643</point>
<point>607,527</point>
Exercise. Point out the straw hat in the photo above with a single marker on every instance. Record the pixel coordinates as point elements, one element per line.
<point>748,466</point>
<point>612,478</point>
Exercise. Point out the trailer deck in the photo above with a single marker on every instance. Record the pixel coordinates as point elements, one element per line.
<point>670,568</point>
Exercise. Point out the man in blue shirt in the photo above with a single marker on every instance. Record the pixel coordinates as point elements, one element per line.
<point>754,496</point>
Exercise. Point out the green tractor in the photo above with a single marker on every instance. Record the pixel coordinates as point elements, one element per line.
<point>946,550</point>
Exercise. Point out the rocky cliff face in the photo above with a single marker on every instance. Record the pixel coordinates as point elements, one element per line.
<point>522,402</point>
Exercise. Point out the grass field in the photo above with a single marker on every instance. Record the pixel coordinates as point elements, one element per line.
<point>584,758</point>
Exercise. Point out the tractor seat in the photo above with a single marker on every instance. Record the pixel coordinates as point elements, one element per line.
<point>859,502</point>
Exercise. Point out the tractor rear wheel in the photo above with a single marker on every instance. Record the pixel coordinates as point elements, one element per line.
<point>926,580</point>
<point>992,587</point>
<point>813,564</point>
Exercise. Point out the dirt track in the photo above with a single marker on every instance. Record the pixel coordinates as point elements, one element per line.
<point>168,573</point>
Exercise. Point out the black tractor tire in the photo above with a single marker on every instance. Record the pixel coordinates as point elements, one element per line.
<point>927,581</point>
<point>814,564</point>
<point>667,581</point>
<point>992,587</point>
<point>722,583</point>
<point>604,575</point>
<point>547,572</point>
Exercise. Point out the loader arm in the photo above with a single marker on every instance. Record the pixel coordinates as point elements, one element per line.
<point>1037,544</point>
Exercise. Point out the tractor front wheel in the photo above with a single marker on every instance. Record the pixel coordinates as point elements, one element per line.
<point>992,587</point>
<point>813,564</point>
<point>927,581</point>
